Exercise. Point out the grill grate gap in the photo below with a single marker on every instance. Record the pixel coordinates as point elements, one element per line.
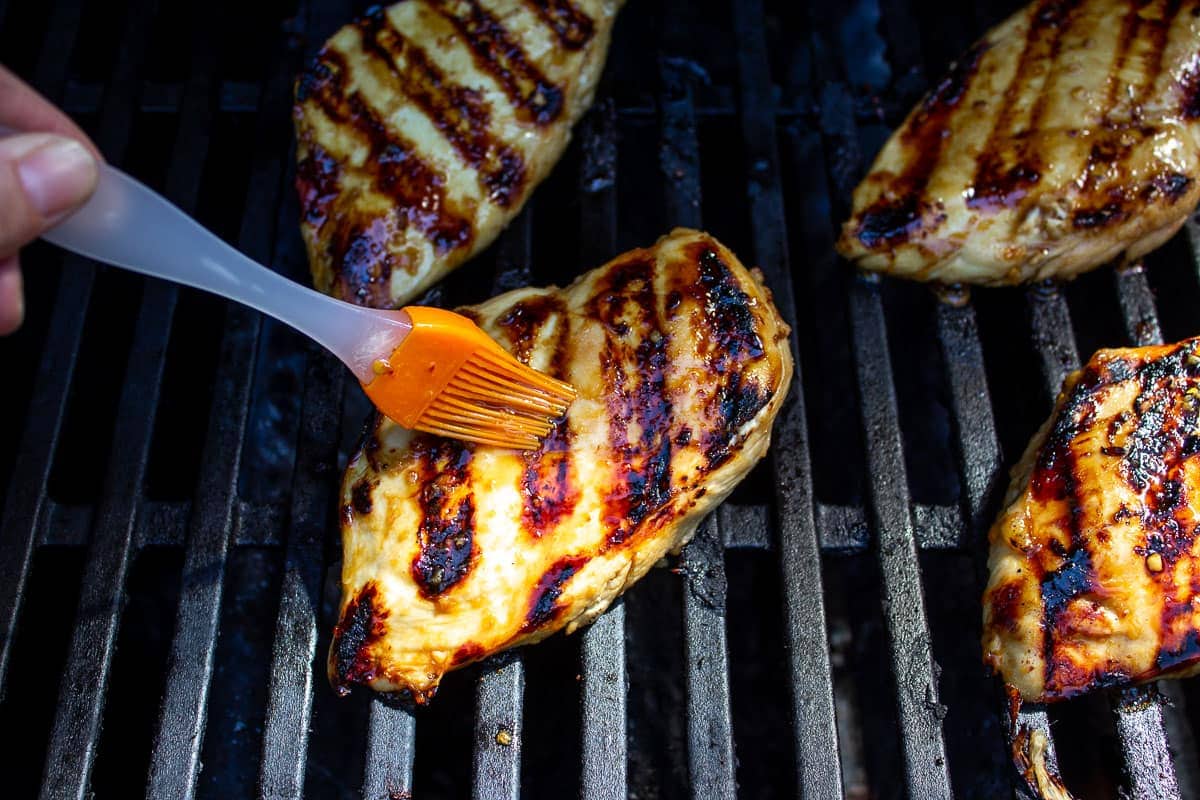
<point>980,766</point>
<point>922,402</point>
<point>41,648</point>
<point>656,702</point>
<point>823,329</point>
<point>758,670</point>
<point>237,705</point>
<point>1092,771</point>
<point>138,671</point>
<point>445,729</point>
<point>863,684</point>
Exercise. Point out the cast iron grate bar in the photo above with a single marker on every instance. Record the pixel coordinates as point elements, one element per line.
<point>971,410</point>
<point>289,703</point>
<point>710,727</point>
<point>1138,710</point>
<point>175,759</point>
<point>290,688</point>
<point>1137,305</point>
<point>920,713</point>
<point>391,740</point>
<point>501,690</point>
<point>76,730</point>
<point>499,729</point>
<point>25,503</point>
<point>814,724</point>
<point>603,771</point>
<point>706,653</point>
<point>903,596</point>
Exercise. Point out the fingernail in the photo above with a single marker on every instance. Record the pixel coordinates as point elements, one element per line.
<point>57,176</point>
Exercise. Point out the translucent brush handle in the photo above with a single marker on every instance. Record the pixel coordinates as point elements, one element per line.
<point>129,225</point>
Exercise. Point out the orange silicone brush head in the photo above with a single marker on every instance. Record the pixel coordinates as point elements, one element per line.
<point>450,378</point>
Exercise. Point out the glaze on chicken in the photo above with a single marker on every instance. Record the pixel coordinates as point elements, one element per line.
<point>1065,139</point>
<point>454,551</point>
<point>423,127</point>
<point>1095,561</point>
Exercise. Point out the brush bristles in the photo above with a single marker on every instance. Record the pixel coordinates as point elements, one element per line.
<point>495,399</point>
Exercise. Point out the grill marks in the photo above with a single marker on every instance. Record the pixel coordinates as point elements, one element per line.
<point>633,366</point>
<point>1160,435</point>
<point>448,514</point>
<point>729,338</point>
<point>363,623</point>
<point>534,97</point>
<point>902,211</point>
<point>457,111</point>
<point>1104,206</point>
<point>549,485</point>
<point>543,604</point>
<point>318,178</point>
<point>1010,164</point>
<point>358,246</point>
<point>573,28</point>
<point>1005,167</point>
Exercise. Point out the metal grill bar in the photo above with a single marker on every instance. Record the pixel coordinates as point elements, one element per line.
<point>499,729</point>
<point>1148,767</point>
<point>289,704</point>
<point>903,596</point>
<point>290,691</point>
<point>970,402</point>
<point>25,502</point>
<point>1137,305</point>
<point>920,713</point>
<point>603,768</point>
<point>175,760</point>
<point>76,730</point>
<point>391,740</point>
<point>710,727</point>
<point>814,725</point>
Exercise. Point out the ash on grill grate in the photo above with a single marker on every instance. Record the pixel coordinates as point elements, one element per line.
<point>168,574</point>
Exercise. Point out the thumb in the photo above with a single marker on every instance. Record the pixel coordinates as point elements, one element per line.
<point>42,177</point>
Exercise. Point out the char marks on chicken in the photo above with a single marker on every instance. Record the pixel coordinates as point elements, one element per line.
<point>1065,139</point>
<point>1095,560</point>
<point>423,127</point>
<point>454,551</point>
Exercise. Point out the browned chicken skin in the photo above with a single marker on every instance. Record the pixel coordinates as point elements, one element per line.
<point>453,552</point>
<point>1095,561</point>
<point>1067,138</point>
<point>423,127</point>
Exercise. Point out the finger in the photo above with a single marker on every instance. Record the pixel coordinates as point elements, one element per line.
<point>23,109</point>
<point>42,177</point>
<point>12,297</point>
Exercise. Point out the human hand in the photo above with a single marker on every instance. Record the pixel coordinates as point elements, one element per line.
<point>46,171</point>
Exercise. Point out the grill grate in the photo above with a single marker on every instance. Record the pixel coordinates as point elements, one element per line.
<point>804,96</point>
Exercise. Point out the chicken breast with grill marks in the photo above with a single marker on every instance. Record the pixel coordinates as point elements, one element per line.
<point>423,127</point>
<point>1065,139</point>
<point>453,551</point>
<point>1095,561</point>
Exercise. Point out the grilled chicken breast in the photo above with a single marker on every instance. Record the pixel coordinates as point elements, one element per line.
<point>423,127</point>
<point>453,551</point>
<point>1065,139</point>
<point>1095,561</point>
